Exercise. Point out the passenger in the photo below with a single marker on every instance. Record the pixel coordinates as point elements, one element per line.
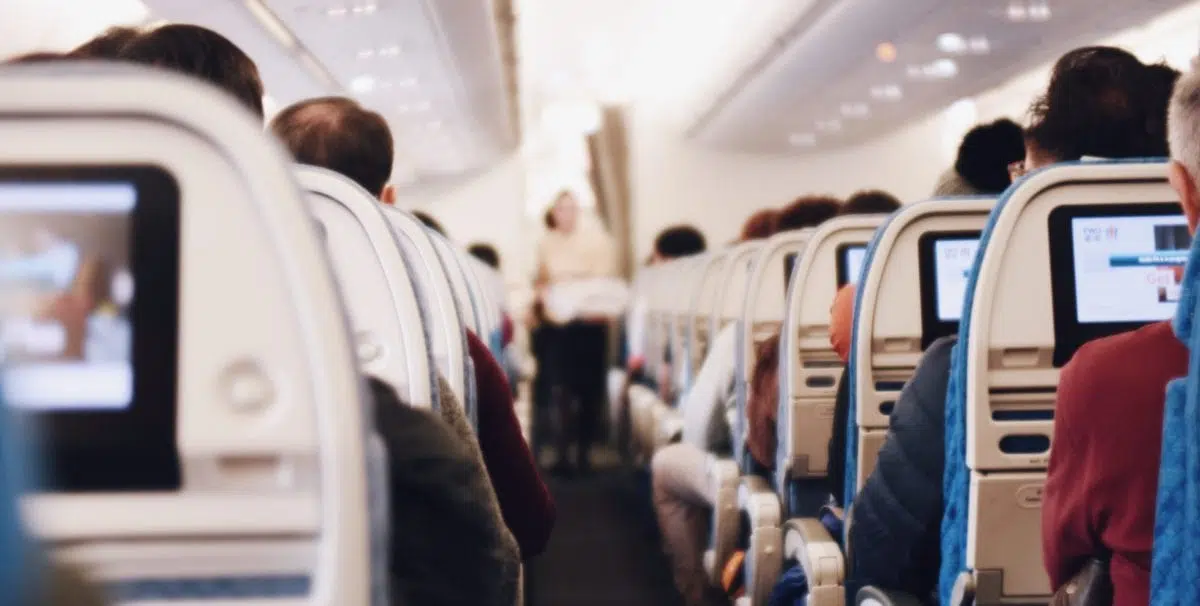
<point>447,552</point>
<point>201,53</point>
<point>485,253</point>
<point>1099,102</point>
<point>1103,474</point>
<point>428,221</point>
<point>108,45</point>
<point>571,251</point>
<point>339,134</point>
<point>671,243</point>
<point>680,471</point>
<point>763,408</point>
<point>984,157</point>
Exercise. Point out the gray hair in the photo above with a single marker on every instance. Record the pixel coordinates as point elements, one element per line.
<point>1183,122</point>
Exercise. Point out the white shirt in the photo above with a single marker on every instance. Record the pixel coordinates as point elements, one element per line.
<point>707,403</point>
<point>586,252</point>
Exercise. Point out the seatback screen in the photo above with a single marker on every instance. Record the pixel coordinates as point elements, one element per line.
<point>88,314</point>
<point>1114,268</point>
<point>945,260</point>
<point>850,262</point>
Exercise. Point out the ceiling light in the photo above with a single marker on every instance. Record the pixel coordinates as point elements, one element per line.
<point>829,126</point>
<point>337,11</point>
<point>943,68</point>
<point>802,139</point>
<point>1017,12</point>
<point>1039,11</point>
<point>366,54</point>
<point>856,110</point>
<point>979,45</point>
<point>390,51</point>
<point>363,84</point>
<point>886,52</point>
<point>887,92</point>
<point>953,44</point>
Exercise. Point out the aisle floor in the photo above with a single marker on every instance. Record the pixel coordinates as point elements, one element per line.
<point>605,549</point>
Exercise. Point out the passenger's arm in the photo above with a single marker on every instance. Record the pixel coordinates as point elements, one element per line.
<point>1067,535</point>
<point>525,503</point>
<point>897,516</point>
<point>841,322</point>
<point>707,393</point>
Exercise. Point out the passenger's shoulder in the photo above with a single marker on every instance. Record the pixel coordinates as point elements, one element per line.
<point>1148,342</point>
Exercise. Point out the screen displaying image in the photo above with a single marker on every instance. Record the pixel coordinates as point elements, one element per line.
<point>1128,269</point>
<point>851,264</point>
<point>66,290</point>
<point>952,260</point>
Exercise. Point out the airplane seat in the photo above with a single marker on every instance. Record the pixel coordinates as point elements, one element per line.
<point>448,338</point>
<point>1176,519</point>
<point>724,471</point>
<point>387,314</point>
<point>668,419</point>
<point>222,449</point>
<point>1025,313</point>
<point>895,317</point>
<point>703,308</point>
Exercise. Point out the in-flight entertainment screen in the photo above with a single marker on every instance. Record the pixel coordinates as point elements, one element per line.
<point>952,259</point>
<point>1113,268</point>
<point>1128,269</point>
<point>89,313</point>
<point>850,262</point>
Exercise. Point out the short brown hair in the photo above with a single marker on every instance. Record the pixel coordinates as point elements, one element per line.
<point>108,45</point>
<point>339,134</point>
<point>202,53</point>
<point>807,211</point>
<point>760,225</point>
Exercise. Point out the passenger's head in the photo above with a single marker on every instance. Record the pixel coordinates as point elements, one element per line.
<point>869,202</point>
<point>1184,132</point>
<point>678,241</point>
<point>566,212</point>
<point>1102,102</point>
<point>201,53</point>
<point>430,222</point>
<point>108,45</point>
<point>807,211</point>
<point>34,57</point>
<point>986,153</point>
<point>339,134</point>
<point>486,253</point>
<point>760,225</point>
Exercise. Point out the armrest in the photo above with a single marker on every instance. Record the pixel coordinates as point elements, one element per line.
<point>808,542</point>
<point>759,501</point>
<point>874,596</point>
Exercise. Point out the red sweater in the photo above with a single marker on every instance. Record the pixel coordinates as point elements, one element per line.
<point>1103,475</point>
<point>525,503</point>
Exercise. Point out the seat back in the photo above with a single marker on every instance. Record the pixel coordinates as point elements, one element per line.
<point>1026,312</point>
<point>896,318</point>
<point>765,291</point>
<point>448,338</point>
<point>809,367</point>
<point>704,301</point>
<point>219,451</point>
<point>487,290</point>
<point>385,311</point>
<point>690,273</point>
<point>468,307</point>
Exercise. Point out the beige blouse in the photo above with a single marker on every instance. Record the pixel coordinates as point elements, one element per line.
<point>587,252</point>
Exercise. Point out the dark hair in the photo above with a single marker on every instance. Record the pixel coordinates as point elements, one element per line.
<point>760,225</point>
<point>108,45</point>
<point>339,134</point>
<point>486,253</point>
<point>986,152</point>
<point>201,53</point>
<point>430,222</point>
<point>1102,101</point>
<point>35,57</point>
<point>869,202</point>
<point>679,241</point>
<point>807,211</point>
<point>549,220</point>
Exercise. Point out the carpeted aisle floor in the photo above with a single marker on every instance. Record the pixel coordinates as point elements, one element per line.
<point>604,550</point>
